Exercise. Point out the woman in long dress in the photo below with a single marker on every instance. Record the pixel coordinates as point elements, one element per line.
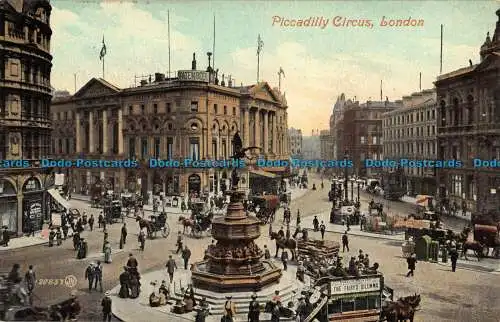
<point>107,252</point>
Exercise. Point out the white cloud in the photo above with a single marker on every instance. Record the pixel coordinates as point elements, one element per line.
<point>312,85</point>
<point>136,42</point>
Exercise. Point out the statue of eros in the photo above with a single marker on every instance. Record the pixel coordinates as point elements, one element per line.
<point>239,153</point>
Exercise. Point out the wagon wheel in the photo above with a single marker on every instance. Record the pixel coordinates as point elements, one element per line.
<point>166,230</point>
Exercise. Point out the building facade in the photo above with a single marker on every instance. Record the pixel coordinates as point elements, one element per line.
<point>336,125</point>
<point>468,128</point>
<point>326,145</point>
<point>295,141</point>
<point>192,116</point>
<point>362,134</point>
<point>311,146</point>
<point>409,132</point>
<point>25,94</point>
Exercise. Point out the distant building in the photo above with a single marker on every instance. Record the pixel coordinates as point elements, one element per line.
<point>311,147</point>
<point>468,127</point>
<point>362,134</point>
<point>25,94</point>
<point>336,125</point>
<point>58,94</point>
<point>409,132</point>
<point>326,145</point>
<point>295,141</point>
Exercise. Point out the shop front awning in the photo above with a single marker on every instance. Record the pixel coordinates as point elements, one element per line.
<point>57,197</point>
<point>263,174</point>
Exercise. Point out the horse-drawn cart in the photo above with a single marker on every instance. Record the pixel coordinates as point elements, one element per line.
<point>157,223</point>
<point>489,237</point>
<point>317,249</point>
<point>265,207</point>
<point>113,212</point>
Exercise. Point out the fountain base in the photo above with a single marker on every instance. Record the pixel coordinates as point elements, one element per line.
<point>202,279</point>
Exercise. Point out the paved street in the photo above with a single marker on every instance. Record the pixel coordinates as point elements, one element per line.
<point>462,296</point>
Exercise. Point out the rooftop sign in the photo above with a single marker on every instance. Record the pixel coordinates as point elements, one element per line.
<point>193,76</point>
<point>362,285</point>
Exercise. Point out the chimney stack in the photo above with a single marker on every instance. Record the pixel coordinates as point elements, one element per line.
<point>193,63</point>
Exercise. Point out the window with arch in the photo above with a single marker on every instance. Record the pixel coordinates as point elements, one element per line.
<point>470,109</point>
<point>442,112</point>
<point>456,112</point>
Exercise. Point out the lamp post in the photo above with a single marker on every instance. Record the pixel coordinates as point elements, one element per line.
<point>352,190</point>
<point>358,185</point>
<point>346,157</point>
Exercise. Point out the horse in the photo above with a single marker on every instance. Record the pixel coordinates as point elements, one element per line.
<point>186,223</point>
<point>402,310</point>
<point>284,243</point>
<point>143,223</point>
<point>475,246</point>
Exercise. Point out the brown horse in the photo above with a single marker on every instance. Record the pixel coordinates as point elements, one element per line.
<point>143,223</point>
<point>475,246</point>
<point>402,310</point>
<point>186,223</point>
<point>283,243</point>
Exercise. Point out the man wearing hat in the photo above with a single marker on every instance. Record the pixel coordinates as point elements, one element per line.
<point>301,309</point>
<point>229,310</point>
<point>90,275</point>
<point>254,309</point>
<point>106,307</point>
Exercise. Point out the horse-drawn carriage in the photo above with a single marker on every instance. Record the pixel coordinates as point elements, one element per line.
<point>489,237</point>
<point>285,198</point>
<point>201,218</point>
<point>379,207</point>
<point>156,224</point>
<point>131,200</point>
<point>113,212</point>
<point>265,207</point>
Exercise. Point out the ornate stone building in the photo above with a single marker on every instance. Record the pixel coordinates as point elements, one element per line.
<point>336,125</point>
<point>326,145</point>
<point>469,127</point>
<point>192,116</point>
<point>362,134</point>
<point>25,94</point>
<point>295,142</point>
<point>409,132</point>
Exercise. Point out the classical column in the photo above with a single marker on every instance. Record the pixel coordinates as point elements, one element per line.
<point>257,129</point>
<point>120,131</point>
<point>246,126</point>
<point>105,131</point>
<point>275,136</point>
<point>78,134</point>
<point>91,132</point>
<point>265,140</point>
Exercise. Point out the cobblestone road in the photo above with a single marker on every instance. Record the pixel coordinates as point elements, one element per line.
<point>461,296</point>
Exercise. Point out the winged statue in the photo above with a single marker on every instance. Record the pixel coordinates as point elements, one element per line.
<point>239,153</point>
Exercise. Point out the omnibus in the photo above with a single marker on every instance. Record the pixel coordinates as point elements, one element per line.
<point>394,184</point>
<point>353,298</point>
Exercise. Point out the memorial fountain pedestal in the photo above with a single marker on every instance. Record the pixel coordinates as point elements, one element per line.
<point>234,263</point>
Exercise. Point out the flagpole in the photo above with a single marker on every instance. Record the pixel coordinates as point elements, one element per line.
<point>258,66</point>
<point>103,67</point>
<point>168,24</point>
<point>213,48</point>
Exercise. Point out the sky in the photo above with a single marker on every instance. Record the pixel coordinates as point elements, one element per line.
<point>319,63</point>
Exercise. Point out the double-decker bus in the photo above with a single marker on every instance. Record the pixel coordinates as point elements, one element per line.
<point>394,184</point>
<point>354,298</point>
